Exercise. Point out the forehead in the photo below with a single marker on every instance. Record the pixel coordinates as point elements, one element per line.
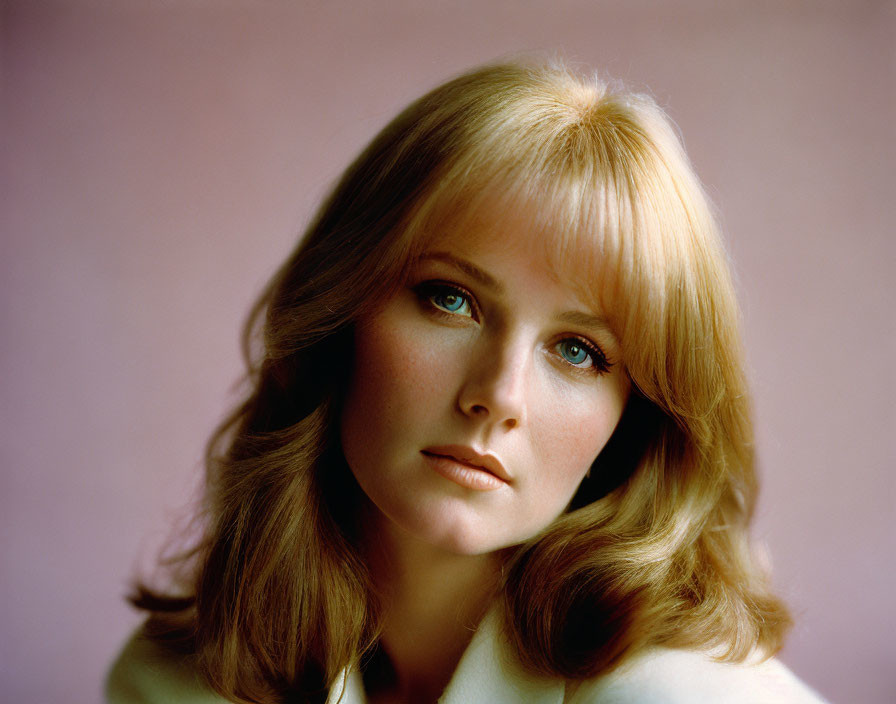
<point>530,234</point>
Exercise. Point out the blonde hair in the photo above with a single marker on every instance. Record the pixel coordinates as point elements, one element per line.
<point>654,548</point>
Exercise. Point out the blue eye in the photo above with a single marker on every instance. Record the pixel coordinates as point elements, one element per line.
<point>583,355</point>
<point>452,302</point>
<point>574,352</point>
<point>447,299</point>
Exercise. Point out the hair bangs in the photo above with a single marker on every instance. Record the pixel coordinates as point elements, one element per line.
<point>579,210</point>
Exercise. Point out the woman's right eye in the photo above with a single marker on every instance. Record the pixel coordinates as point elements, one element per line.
<point>447,298</point>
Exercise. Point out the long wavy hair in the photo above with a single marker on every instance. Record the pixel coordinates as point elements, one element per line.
<point>653,550</point>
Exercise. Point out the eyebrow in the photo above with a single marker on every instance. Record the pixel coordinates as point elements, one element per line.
<point>572,317</point>
<point>587,320</point>
<point>469,269</point>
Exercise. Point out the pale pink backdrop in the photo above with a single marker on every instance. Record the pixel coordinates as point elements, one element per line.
<point>159,159</point>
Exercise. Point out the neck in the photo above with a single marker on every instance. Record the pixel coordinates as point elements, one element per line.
<point>432,603</point>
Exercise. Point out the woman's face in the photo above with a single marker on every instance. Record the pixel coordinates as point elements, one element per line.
<point>480,393</point>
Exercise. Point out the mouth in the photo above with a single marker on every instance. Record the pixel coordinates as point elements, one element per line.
<point>467,467</point>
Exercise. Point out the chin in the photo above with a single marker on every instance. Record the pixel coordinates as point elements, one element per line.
<point>466,545</point>
<point>454,534</point>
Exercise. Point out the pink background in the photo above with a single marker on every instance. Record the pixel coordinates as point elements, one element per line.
<point>160,158</point>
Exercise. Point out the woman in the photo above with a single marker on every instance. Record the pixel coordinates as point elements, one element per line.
<point>497,444</point>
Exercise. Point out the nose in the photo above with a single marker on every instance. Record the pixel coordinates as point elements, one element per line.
<point>494,390</point>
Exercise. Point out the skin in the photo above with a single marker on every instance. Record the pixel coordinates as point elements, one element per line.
<point>494,358</point>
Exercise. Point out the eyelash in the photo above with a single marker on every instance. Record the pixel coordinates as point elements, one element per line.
<point>599,362</point>
<point>429,290</point>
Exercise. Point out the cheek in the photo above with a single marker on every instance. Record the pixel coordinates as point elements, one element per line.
<point>569,442</point>
<point>389,364</point>
<point>372,390</point>
<point>397,374</point>
<point>567,454</point>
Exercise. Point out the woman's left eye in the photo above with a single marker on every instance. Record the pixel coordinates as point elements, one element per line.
<point>582,355</point>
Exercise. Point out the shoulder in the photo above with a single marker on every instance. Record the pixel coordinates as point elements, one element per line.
<point>147,673</point>
<point>664,676</point>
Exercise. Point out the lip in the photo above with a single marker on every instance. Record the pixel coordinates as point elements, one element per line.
<point>468,467</point>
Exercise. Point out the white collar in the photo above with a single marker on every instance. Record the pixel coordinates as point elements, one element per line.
<point>487,674</point>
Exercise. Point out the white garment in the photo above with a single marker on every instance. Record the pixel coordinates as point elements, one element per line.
<point>487,674</point>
